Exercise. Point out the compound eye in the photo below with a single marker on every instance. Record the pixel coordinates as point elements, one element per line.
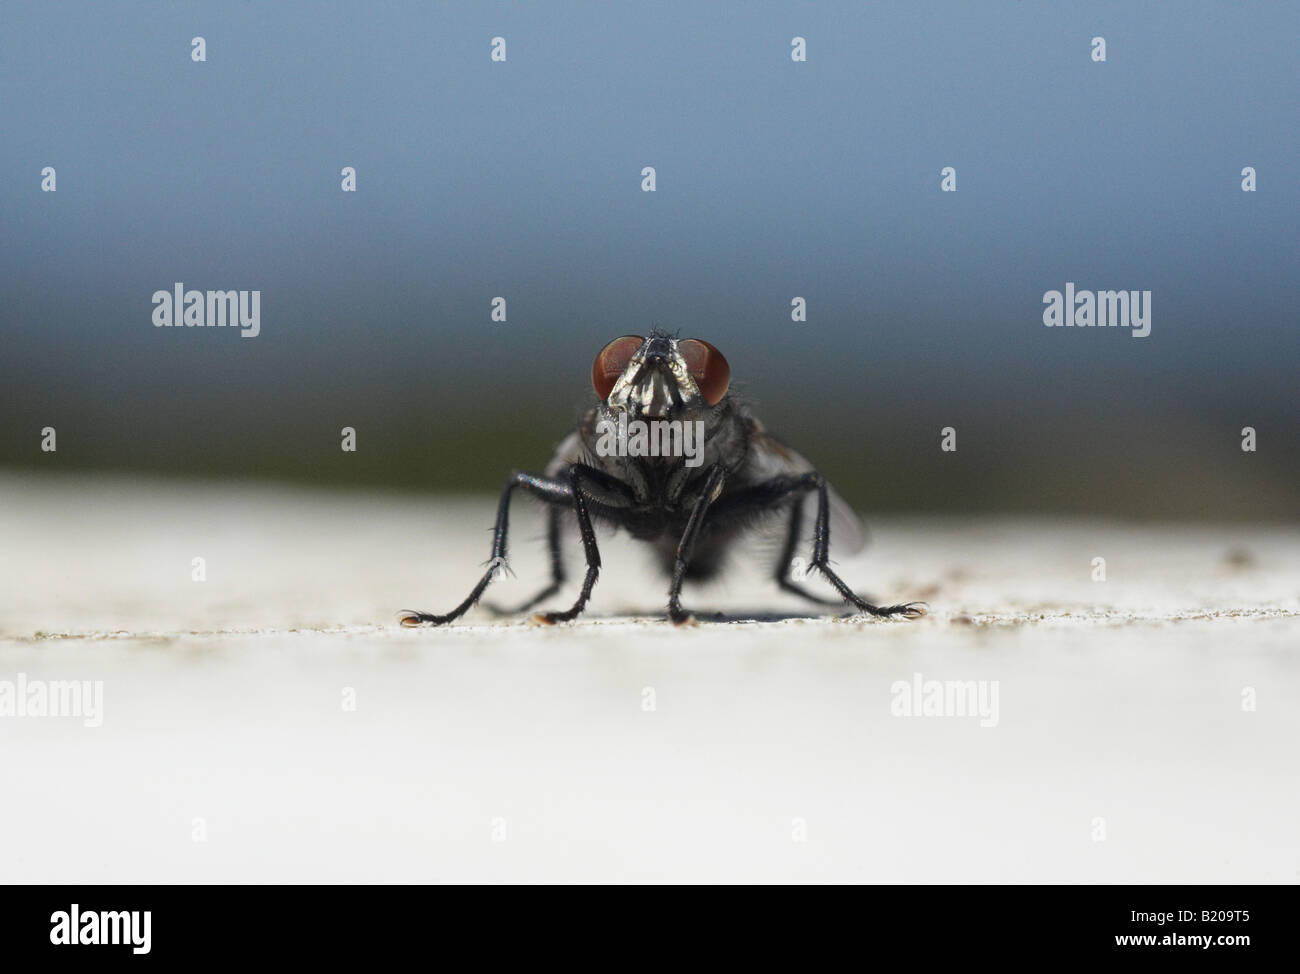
<point>707,367</point>
<point>611,362</point>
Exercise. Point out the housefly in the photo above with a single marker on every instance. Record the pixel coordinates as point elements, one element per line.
<point>669,456</point>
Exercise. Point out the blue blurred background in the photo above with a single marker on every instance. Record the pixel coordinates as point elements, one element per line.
<point>774,179</point>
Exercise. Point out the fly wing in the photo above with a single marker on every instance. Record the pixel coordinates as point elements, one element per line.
<point>769,457</point>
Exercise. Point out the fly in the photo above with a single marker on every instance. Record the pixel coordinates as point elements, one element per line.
<point>669,456</point>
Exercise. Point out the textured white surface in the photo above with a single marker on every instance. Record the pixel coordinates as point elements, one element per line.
<point>223,701</point>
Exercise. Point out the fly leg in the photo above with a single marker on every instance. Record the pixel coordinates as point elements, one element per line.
<point>769,493</point>
<point>821,560</point>
<point>549,490</point>
<point>712,487</point>
<point>553,515</point>
<point>587,482</point>
<point>783,565</point>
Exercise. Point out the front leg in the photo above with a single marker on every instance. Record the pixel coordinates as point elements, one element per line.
<point>712,488</point>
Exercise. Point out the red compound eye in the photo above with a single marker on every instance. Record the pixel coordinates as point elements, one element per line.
<point>708,368</point>
<point>611,362</point>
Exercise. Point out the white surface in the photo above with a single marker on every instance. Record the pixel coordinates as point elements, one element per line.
<point>222,701</point>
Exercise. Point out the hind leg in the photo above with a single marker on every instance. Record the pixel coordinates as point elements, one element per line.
<point>553,525</point>
<point>784,563</point>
